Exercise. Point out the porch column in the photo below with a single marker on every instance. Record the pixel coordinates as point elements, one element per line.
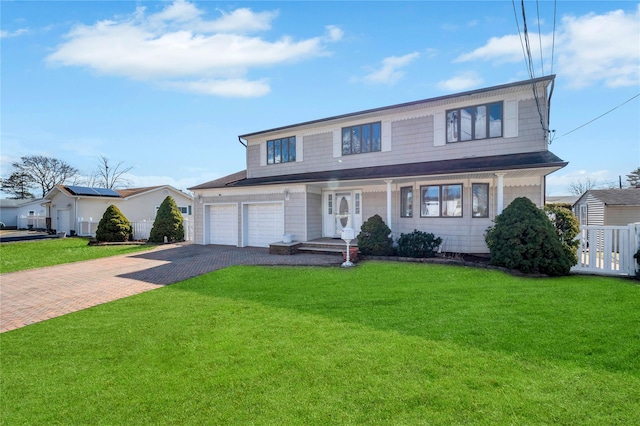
<point>388,182</point>
<point>500,187</point>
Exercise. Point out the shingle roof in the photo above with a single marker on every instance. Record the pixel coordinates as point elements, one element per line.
<point>617,197</point>
<point>128,192</point>
<point>464,165</point>
<point>223,181</point>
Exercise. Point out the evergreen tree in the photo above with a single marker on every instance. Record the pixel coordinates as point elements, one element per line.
<point>634,178</point>
<point>114,226</point>
<point>168,223</point>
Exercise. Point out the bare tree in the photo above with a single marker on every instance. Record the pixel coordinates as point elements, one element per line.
<point>580,186</point>
<point>45,172</point>
<point>109,176</point>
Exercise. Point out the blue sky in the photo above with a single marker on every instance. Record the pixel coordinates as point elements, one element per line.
<point>167,87</point>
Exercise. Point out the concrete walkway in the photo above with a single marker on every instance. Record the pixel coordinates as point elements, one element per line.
<point>35,295</point>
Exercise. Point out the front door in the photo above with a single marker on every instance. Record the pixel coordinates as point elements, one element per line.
<point>341,210</point>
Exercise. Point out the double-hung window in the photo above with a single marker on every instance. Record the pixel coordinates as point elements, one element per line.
<point>441,200</point>
<point>480,202</point>
<point>476,122</point>
<point>361,138</point>
<point>281,150</point>
<point>406,201</point>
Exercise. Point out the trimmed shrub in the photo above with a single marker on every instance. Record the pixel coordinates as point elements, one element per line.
<point>374,238</point>
<point>567,229</point>
<point>114,226</point>
<point>418,244</point>
<point>524,238</point>
<point>168,223</point>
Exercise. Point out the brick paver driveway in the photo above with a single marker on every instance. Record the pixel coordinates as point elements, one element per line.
<point>35,295</point>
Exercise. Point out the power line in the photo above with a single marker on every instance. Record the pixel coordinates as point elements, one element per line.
<point>600,116</point>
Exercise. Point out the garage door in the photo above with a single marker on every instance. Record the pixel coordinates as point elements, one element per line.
<point>265,224</point>
<point>223,224</point>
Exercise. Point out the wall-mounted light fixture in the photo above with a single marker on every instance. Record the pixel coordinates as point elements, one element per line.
<point>287,196</point>
<point>200,198</point>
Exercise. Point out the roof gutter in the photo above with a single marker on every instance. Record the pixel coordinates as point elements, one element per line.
<point>242,143</point>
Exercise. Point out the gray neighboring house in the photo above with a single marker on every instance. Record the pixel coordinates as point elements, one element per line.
<point>23,214</point>
<point>446,165</point>
<point>609,207</point>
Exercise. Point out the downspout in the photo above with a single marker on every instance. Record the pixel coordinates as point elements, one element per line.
<point>242,143</point>
<point>75,215</point>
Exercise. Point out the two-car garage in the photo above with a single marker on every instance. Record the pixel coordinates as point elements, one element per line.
<point>261,223</point>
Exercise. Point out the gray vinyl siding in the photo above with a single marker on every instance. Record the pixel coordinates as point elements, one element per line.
<point>595,209</point>
<point>412,140</point>
<point>294,216</point>
<point>314,216</point>
<point>622,215</point>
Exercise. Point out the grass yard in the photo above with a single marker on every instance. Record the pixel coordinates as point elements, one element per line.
<point>18,256</point>
<point>382,343</point>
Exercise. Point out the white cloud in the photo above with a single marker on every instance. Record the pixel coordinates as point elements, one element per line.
<point>16,33</point>
<point>588,49</point>
<point>226,88</point>
<point>390,72</point>
<point>178,48</point>
<point>460,82</point>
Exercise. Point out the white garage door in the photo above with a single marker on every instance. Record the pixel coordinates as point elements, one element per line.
<point>223,224</point>
<point>265,224</point>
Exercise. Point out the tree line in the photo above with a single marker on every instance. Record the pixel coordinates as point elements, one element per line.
<point>40,174</point>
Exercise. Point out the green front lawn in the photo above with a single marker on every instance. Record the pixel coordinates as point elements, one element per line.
<point>382,343</point>
<point>18,256</point>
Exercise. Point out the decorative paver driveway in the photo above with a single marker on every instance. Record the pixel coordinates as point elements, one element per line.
<point>35,295</point>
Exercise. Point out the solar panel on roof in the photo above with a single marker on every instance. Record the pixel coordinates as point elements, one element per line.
<point>106,192</point>
<point>94,192</point>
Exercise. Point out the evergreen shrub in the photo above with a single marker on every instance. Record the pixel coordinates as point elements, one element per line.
<point>418,244</point>
<point>374,238</point>
<point>567,229</point>
<point>524,238</point>
<point>168,223</point>
<point>114,226</point>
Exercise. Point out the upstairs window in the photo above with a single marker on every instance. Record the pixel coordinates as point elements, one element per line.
<point>473,123</point>
<point>281,150</point>
<point>362,138</point>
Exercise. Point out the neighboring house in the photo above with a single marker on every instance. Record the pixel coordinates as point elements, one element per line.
<point>23,214</point>
<point>608,207</point>
<point>9,212</point>
<point>79,209</point>
<point>561,199</point>
<point>445,165</point>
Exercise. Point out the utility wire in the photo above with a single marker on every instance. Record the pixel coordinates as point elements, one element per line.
<point>540,37</point>
<point>553,40</point>
<point>600,116</point>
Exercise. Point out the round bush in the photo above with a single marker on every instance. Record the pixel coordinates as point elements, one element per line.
<point>114,226</point>
<point>168,223</point>
<point>524,238</point>
<point>374,238</point>
<point>418,244</point>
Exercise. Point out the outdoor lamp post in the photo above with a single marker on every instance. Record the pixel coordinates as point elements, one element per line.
<point>348,234</point>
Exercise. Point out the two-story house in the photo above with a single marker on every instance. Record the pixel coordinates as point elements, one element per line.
<point>446,165</point>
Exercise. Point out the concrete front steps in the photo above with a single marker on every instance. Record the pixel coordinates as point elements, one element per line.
<point>319,246</point>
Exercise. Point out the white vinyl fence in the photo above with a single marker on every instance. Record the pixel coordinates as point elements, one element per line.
<point>32,222</point>
<point>608,250</point>
<point>141,229</point>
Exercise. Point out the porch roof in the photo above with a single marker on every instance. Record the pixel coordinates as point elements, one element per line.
<point>530,160</point>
